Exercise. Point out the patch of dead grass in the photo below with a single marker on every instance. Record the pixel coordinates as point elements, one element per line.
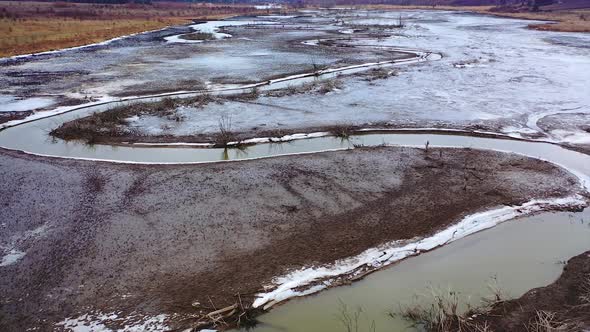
<point>113,122</point>
<point>33,27</point>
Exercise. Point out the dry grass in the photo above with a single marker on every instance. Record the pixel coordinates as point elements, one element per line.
<point>443,313</point>
<point>379,74</point>
<point>329,85</point>
<point>350,319</point>
<point>318,86</point>
<point>585,291</point>
<point>37,35</point>
<point>546,321</point>
<point>43,26</point>
<point>566,21</point>
<point>199,36</point>
<point>113,122</point>
<point>342,130</point>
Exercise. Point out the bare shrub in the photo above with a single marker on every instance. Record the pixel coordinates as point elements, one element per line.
<point>329,86</point>
<point>342,130</point>
<point>292,90</point>
<point>114,122</point>
<point>254,93</point>
<point>316,67</point>
<point>350,319</point>
<point>442,314</point>
<point>198,36</point>
<point>379,74</point>
<point>547,321</point>
<point>95,182</point>
<point>226,136</point>
<point>236,314</point>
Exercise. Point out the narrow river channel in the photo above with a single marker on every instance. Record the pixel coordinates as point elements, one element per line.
<point>515,256</point>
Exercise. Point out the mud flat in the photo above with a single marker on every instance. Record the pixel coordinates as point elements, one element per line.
<point>160,246</point>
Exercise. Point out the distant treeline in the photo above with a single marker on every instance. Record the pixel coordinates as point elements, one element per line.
<point>148,1</point>
<point>336,2</point>
<point>153,1</point>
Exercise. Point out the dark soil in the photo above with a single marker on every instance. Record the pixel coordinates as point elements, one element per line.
<point>567,300</point>
<point>153,239</point>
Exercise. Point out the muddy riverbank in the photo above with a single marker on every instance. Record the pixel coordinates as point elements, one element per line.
<point>162,244</point>
<point>563,305</point>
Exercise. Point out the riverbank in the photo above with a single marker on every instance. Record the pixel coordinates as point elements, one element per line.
<point>138,244</point>
<point>562,306</point>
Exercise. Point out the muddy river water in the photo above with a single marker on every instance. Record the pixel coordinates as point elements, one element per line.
<point>515,257</point>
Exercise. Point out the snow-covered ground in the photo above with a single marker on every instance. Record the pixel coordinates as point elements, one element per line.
<point>12,104</point>
<point>495,75</point>
<point>147,63</point>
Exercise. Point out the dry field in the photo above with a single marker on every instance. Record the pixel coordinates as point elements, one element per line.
<point>566,21</point>
<point>30,27</point>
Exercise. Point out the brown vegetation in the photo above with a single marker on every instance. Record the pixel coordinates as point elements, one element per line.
<point>198,36</point>
<point>561,306</point>
<point>565,21</point>
<point>30,27</point>
<point>112,123</point>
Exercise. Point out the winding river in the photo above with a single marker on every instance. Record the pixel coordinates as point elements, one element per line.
<point>521,255</point>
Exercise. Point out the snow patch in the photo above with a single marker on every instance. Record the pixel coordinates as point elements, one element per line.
<point>572,137</point>
<point>99,323</point>
<point>12,257</point>
<point>269,6</point>
<point>518,130</point>
<point>12,104</point>
<point>285,286</point>
<point>278,17</point>
<point>178,39</point>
